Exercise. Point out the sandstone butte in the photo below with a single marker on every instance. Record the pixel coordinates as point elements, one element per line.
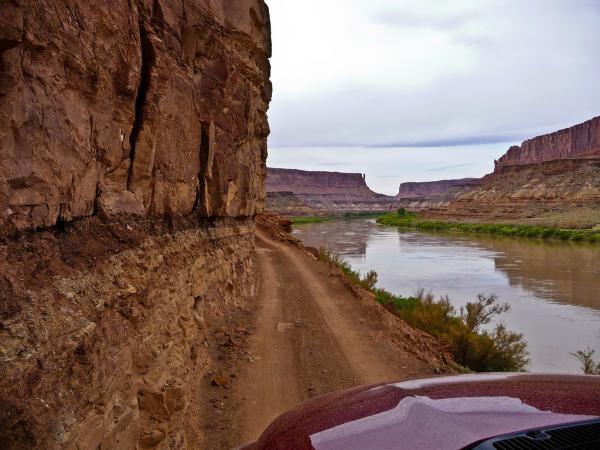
<point>132,148</point>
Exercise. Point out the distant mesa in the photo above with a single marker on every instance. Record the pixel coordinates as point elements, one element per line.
<point>552,179</point>
<point>419,196</point>
<point>292,191</point>
<point>413,190</point>
<point>316,182</point>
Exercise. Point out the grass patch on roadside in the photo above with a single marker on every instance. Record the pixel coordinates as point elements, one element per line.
<point>405,219</point>
<point>460,331</point>
<point>368,281</point>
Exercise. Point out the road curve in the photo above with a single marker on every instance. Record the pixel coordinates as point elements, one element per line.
<point>312,337</point>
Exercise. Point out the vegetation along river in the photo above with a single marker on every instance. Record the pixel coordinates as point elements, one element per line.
<point>553,288</point>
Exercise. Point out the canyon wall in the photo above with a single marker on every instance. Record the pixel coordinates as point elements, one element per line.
<point>548,180</point>
<point>287,203</point>
<point>143,107</point>
<point>579,141</point>
<point>132,147</point>
<point>291,191</point>
<point>563,193</point>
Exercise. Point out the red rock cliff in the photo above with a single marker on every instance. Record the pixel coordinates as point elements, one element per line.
<point>550,180</point>
<point>563,193</point>
<point>145,120</point>
<point>579,141</point>
<point>140,107</point>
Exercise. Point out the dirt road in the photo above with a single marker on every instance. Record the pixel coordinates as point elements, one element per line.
<point>312,335</point>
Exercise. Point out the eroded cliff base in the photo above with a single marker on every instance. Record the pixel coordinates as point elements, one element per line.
<point>104,328</point>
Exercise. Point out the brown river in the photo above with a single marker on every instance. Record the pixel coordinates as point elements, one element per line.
<point>553,288</point>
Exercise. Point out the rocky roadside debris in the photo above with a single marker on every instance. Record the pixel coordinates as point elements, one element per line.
<point>227,345</point>
<point>277,227</point>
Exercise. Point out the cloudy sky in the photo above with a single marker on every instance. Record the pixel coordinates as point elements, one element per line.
<point>426,89</point>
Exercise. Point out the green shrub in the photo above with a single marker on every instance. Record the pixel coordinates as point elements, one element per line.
<point>400,303</point>
<point>363,214</point>
<point>370,280</point>
<point>586,358</point>
<point>480,350</point>
<point>461,332</point>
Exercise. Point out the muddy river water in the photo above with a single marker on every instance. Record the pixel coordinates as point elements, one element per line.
<point>553,288</point>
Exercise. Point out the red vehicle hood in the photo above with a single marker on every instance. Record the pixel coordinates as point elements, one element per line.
<point>436,413</point>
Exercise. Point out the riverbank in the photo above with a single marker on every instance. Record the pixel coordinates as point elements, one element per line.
<point>460,331</point>
<point>404,219</point>
<point>555,282</point>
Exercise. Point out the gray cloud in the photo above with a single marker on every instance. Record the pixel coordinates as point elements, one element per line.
<point>412,19</point>
<point>453,142</point>
<point>445,168</point>
<point>485,73</point>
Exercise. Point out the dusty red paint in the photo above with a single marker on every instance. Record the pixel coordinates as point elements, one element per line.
<point>544,400</point>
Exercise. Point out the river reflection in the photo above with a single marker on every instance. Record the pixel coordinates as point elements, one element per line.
<point>553,288</point>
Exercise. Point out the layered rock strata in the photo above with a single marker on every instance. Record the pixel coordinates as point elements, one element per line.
<point>579,141</point>
<point>522,192</point>
<point>139,107</point>
<point>104,330</point>
<point>291,191</point>
<point>550,179</point>
<point>132,147</point>
<point>288,203</point>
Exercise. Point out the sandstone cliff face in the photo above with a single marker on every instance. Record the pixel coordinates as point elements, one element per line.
<point>579,141</point>
<point>291,191</point>
<point>139,107</point>
<point>550,180</point>
<point>288,203</point>
<point>146,122</point>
